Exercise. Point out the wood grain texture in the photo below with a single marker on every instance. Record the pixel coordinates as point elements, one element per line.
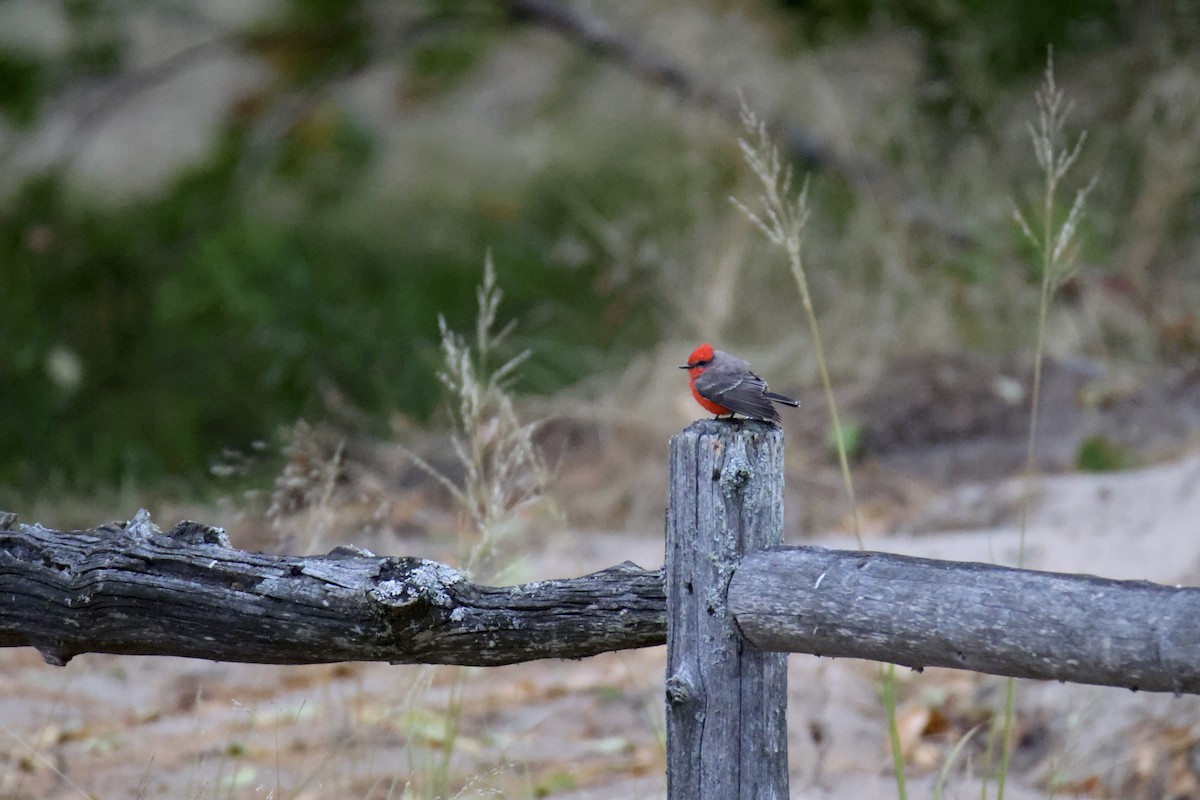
<point>918,612</point>
<point>726,700</point>
<point>131,589</point>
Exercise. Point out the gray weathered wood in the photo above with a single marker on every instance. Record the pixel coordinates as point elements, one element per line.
<point>130,589</point>
<point>918,612</point>
<point>726,700</point>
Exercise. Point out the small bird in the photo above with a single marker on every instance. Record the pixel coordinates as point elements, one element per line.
<point>724,384</point>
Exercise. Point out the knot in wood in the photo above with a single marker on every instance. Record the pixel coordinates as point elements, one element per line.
<point>190,532</point>
<point>680,691</point>
<point>408,582</point>
<point>736,470</point>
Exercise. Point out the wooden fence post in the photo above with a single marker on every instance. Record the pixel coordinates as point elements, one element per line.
<point>726,700</point>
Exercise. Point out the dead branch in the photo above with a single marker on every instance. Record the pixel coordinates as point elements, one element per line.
<point>129,588</point>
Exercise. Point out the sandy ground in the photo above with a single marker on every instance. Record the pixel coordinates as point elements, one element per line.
<point>114,727</point>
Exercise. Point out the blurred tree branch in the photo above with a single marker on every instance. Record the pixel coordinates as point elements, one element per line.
<point>290,47</point>
<point>804,147</point>
<point>125,87</point>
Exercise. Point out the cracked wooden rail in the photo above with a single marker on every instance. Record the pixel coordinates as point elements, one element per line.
<point>134,590</point>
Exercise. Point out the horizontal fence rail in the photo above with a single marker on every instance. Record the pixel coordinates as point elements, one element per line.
<point>131,589</point>
<point>918,612</point>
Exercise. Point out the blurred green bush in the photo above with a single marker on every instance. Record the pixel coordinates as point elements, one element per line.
<point>139,339</point>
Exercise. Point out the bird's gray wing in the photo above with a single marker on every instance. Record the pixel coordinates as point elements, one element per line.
<point>742,393</point>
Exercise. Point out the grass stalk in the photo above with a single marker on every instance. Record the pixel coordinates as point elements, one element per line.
<point>36,754</point>
<point>502,471</point>
<point>887,691</point>
<point>951,758</point>
<point>1056,245</point>
<point>781,217</point>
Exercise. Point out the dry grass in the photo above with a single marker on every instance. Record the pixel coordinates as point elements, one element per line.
<point>501,476</point>
<point>1057,243</point>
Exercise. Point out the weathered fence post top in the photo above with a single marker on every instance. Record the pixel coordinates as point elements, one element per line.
<point>726,709</point>
<point>730,428</point>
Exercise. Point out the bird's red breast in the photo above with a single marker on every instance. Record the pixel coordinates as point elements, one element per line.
<point>709,405</point>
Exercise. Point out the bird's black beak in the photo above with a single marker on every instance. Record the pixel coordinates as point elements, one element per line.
<point>686,366</point>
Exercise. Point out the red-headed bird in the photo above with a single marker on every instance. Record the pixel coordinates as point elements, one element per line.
<point>724,384</point>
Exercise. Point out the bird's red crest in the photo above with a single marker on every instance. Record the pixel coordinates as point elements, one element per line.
<point>702,353</point>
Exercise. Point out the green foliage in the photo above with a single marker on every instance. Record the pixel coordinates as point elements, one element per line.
<point>323,154</point>
<point>97,45</point>
<point>554,783</point>
<point>314,40</point>
<point>1100,454</point>
<point>848,436</point>
<point>141,339</point>
<point>22,79</point>
<point>94,45</point>
<point>436,65</point>
<point>324,11</point>
<point>972,46</point>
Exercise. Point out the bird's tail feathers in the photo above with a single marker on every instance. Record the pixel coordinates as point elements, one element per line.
<point>778,398</point>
